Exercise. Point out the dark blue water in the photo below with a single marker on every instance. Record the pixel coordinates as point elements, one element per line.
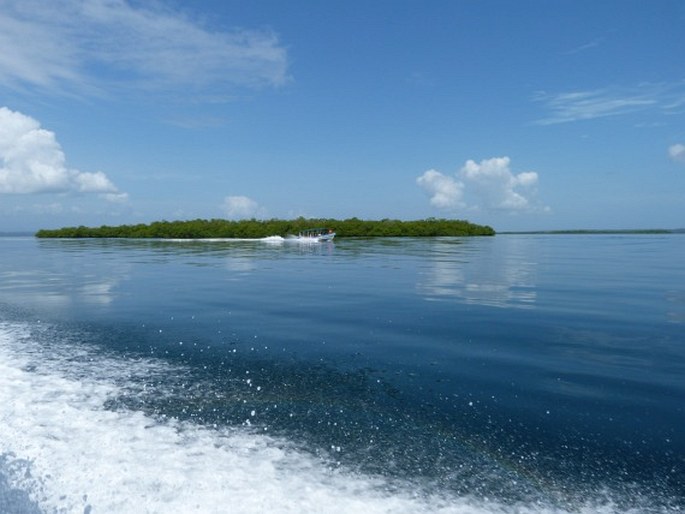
<point>506,374</point>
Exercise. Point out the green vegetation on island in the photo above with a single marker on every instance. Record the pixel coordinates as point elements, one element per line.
<point>219,228</point>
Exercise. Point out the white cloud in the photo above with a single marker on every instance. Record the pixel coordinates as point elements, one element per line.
<point>587,105</point>
<point>677,152</point>
<point>93,182</point>
<point>241,207</point>
<point>496,186</point>
<point>445,192</point>
<point>96,45</point>
<point>584,47</point>
<point>115,197</point>
<point>659,98</point>
<point>490,184</point>
<point>32,161</point>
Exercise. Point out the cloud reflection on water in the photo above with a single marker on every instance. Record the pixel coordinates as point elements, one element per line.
<point>505,277</point>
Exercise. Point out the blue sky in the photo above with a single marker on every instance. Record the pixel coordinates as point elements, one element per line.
<point>521,115</point>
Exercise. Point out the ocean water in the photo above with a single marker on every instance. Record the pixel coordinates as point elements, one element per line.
<point>512,374</point>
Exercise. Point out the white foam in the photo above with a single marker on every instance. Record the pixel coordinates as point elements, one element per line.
<point>267,239</point>
<point>273,239</point>
<point>73,456</point>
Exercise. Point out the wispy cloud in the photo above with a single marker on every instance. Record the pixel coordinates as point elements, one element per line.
<point>584,47</point>
<point>76,46</point>
<point>600,103</point>
<point>32,161</point>
<point>490,184</point>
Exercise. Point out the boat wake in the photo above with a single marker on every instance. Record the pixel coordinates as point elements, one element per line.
<point>65,448</point>
<point>268,239</point>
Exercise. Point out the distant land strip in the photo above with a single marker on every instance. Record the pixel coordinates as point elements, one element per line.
<point>603,231</point>
<point>220,229</point>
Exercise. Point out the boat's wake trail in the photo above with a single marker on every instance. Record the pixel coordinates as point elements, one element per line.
<point>65,448</point>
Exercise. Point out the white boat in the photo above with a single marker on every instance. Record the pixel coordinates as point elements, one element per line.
<point>316,234</point>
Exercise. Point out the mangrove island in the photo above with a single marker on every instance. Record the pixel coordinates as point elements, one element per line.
<point>253,228</point>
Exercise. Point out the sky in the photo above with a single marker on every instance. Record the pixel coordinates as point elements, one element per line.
<point>526,115</point>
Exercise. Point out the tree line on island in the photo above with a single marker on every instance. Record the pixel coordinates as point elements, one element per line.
<point>253,228</point>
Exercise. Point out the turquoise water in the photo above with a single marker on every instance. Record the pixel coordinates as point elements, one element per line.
<point>527,374</point>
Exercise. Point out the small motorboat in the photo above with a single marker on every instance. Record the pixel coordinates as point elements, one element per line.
<point>316,234</point>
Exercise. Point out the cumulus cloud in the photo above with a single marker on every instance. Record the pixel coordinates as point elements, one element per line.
<point>32,161</point>
<point>490,184</point>
<point>497,186</point>
<point>97,45</point>
<point>241,207</point>
<point>445,192</point>
<point>677,152</point>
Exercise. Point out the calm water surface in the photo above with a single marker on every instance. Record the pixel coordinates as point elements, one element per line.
<point>527,374</point>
